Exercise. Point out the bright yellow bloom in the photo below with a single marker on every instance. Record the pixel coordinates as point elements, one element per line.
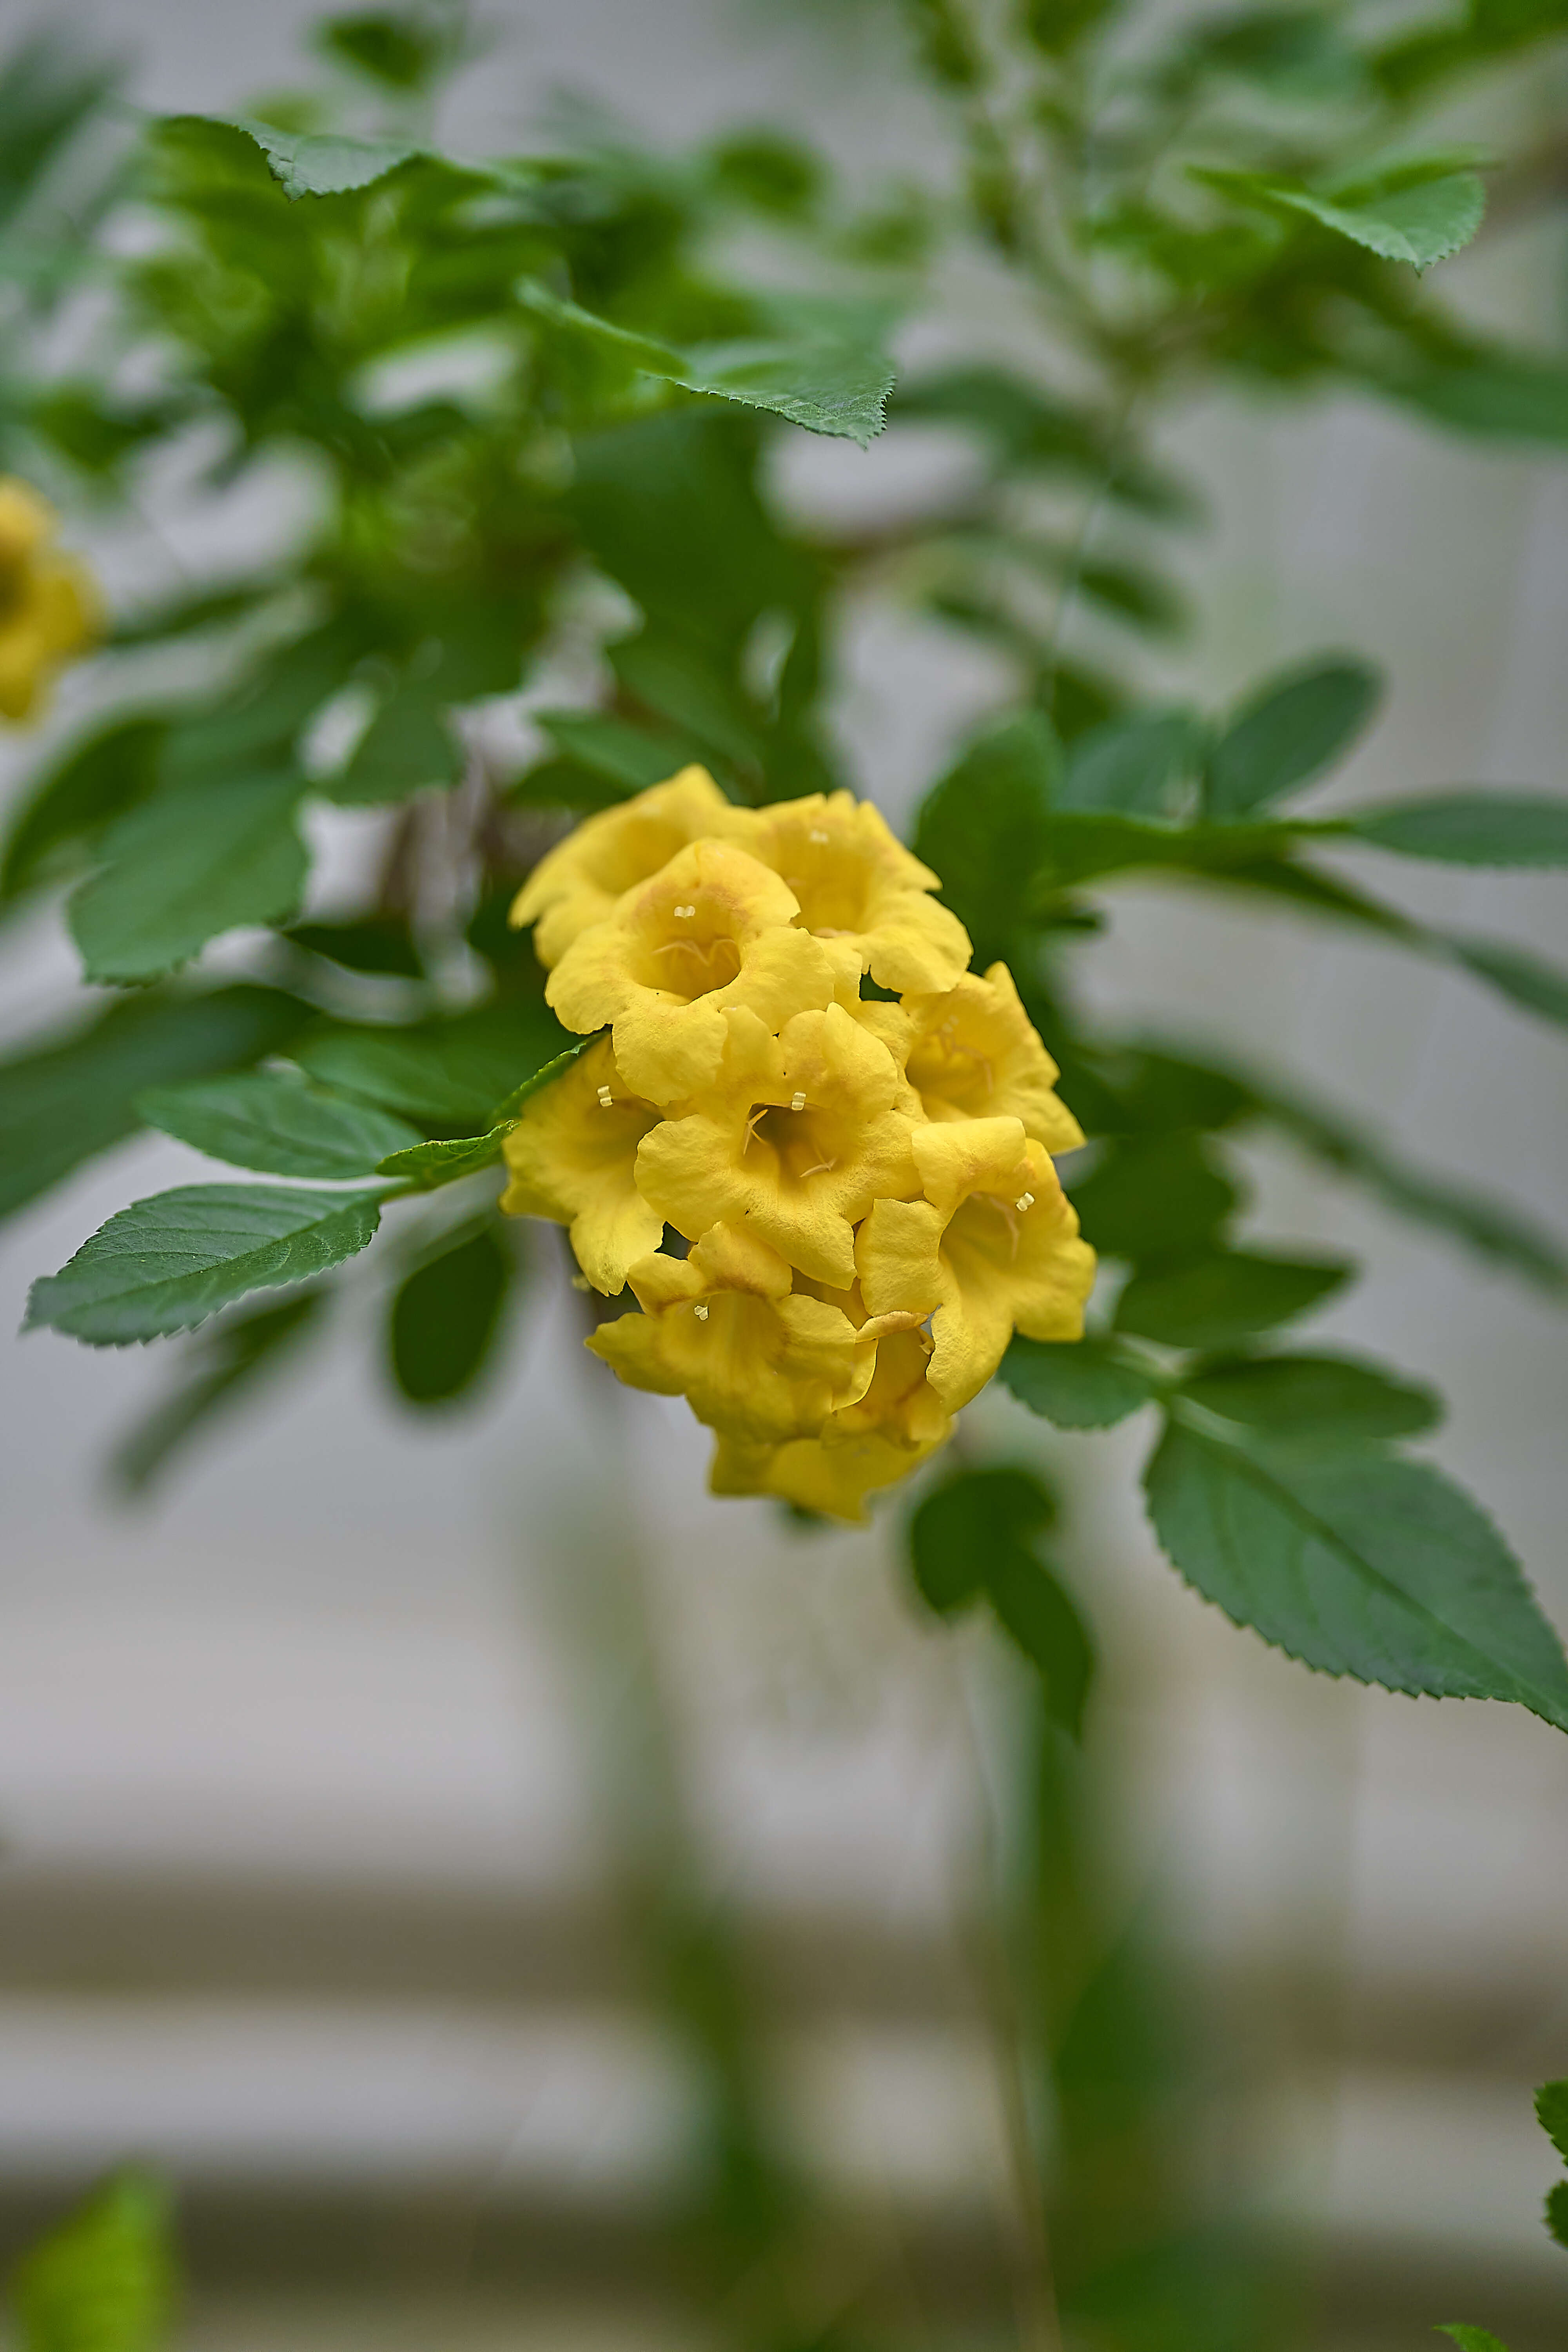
<point>974,1054</point>
<point>573,1158</point>
<point>722,1327</point>
<point>894,1427</point>
<point>711,930</point>
<point>993,1245</point>
<point>800,1134</point>
<point>48,607</point>
<point>855,882</point>
<point>579,882</point>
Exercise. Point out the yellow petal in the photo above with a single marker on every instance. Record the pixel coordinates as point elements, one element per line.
<point>573,1158</point>
<point>857,885</point>
<point>974,1054</point>
<point>796,1154</point>
<point>711,930</point>
<point>579,882</point>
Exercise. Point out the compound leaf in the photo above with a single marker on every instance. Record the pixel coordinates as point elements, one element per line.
<point>1470,829</point>
<point>1075,1383</point>
<point>1318,1400</point>
<point>1218,1300</point>
<point>1287,732</point>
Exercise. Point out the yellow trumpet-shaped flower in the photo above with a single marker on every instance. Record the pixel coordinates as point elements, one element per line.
<point>864,1446</point>
<point>799,1136</point>
<point>579,882</point>
<point>48,608</point>
<point>573,1158</point>
<point>722,1327</point>
<point>855,883</point>
<point>993,1245</point>
<point>975,1054</point>
<point>711,930</point>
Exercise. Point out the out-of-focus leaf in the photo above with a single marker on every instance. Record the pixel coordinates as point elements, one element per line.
<point>1470,829</point>
<point>1551,2114</point>
<point>632,757</point>
<point>313,162</point>
<point>984,829</point>
<point>1362,1566</point>
<point>98,779</point>
<point>184,868</point>
<point>61,1105</point>
<point>1401,218</point>
<point>1497,396</point>
<point>166,1264</point>
<point>445,1318</point>
<point>407,745</point>
<point>277,1123</point>
<point>1524,978</point>
<point>222,1366</point>
<point>1034,1608</point>
<point>398,48</point>
<point>104,2279</point>
<point>1150,1198</point>
<point>372,946</point>
<point>452,1073</point>
<point>1472,2339</point>
<point>1323,1400</point>
<point>1287,732</point>
<point>831,374</point>
<point>1221,1299</point>
<point>47,90</point>
<point>1075,1383</point>
<point>1029,429</point>
<point>1133,764</point>
<point>975,1534</point>
<point>1557,2212</point>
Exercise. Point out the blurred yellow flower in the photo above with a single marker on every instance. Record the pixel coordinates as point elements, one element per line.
<point>796,1140</point>
<point>48,609</point>
<point>712,928</point>
<point>723,1329</point>
<point>573,1158</point>
<point>579,882</point>
<point>974,1054</point>
<point>992,1246</point>
<point>855,882</point>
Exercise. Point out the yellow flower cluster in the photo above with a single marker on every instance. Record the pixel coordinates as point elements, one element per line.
<point>864,1185</point>
<point>47,609</point>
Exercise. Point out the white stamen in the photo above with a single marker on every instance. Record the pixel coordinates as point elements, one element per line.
<point>817,835</point>
<point>701,1311</point>
<point>1025,1200</point>
<point>821,1168</point>
<point>606,1101</point>
<point>580,1282</point>
<point>685,913</point>
<point>797,1100</point>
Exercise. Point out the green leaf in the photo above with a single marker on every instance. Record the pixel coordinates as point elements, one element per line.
<point>629,756</point>
<point>1527,982</point>
<point>1320,1401</point>
<point>984,828</point>
<point>1133,764</point>
<point>1365,1566</point>
<point>375,946</point>
<point>166,1264</point>
<point>224,1364</point>
<point>274,1120</point>
<point>1470,829</point>
<point>1490,1227</point>
<point>1227,1297</point>
<point>1150,1197</point>
<point>453,1073</point>
<point>318,164</point>
<point>1557,2212</point>
<point>186,866</point>
<point>1077,1383</point>
<point>1287,732</point>
<point>825,368</point>
<point>1033,1607</point>
<point>1031,429</point>
<point>1472,2339</point>
<point>1402,217</point>
<point>406,746</point>
<point>960,1524</point>
<point>1551,2114</point>
<point>1498,395</point>
<point>445,1162</point>
<point>104,2279</point>
<point>98,779</point>
<point>60,1106</point>
<point>446,1317</point>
